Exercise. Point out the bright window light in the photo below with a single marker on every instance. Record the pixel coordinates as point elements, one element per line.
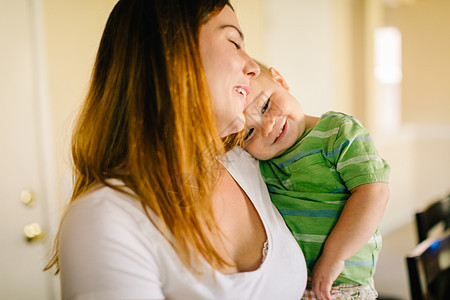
<point>388,55</point>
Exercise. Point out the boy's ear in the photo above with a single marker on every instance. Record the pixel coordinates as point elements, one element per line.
<point>278,78</point>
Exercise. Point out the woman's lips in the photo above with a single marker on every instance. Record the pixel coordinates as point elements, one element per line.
<point>283,132</point>
<point>243,91</point>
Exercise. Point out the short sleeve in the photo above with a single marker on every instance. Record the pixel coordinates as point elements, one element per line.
<point>358,161</point>
<point>104,254</point>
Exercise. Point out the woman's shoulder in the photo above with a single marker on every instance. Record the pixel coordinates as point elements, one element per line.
<point>106,204</point>
<point>104,234</point>
<point>107,214</point>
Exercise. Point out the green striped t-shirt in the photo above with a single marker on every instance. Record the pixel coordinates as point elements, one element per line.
<point>311,182</point>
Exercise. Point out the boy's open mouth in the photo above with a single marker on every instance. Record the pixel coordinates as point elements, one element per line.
<point>281,133</point>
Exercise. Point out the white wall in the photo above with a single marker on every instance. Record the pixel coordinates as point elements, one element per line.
<point>315,46</point>
<point>301,38</point>
<point>310,43</point>
<point>72,34</point>
<point>299,44</point>
<point>297,41</point>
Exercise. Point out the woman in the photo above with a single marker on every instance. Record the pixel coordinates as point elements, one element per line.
<point>159,211</point>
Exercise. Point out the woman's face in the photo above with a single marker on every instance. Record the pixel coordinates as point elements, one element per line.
<point>228,69</point>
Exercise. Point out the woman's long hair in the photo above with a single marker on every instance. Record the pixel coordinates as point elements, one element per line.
<point>148,120</point>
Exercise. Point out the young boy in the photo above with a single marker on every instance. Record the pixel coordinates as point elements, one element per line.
<point>328,182</point>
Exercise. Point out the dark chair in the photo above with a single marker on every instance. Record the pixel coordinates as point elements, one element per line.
<point>429,269</point>
<point>430,216</point>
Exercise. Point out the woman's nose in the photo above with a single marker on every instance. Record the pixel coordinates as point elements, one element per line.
<point>267,125</point>
<point>251,68</point>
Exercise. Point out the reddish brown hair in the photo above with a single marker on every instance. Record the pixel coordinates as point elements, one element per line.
<point>140,120</point>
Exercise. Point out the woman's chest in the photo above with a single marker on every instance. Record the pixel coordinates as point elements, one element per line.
<point>243,232</point>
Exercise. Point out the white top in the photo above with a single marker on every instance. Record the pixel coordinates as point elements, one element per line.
<point>110,250</point>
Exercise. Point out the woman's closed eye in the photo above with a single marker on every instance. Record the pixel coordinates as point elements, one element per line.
<point>235,44</point>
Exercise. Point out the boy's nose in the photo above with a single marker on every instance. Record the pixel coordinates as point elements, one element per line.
<point>267,126</point>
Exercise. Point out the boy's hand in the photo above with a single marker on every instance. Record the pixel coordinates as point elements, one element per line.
<point>359,219</point>
<point>324,274</point>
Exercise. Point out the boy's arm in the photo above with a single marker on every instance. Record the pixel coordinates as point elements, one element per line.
<point>358,222</point>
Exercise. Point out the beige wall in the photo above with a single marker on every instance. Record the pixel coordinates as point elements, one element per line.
<point>323,47</point>
<point>418,151</point>
<point>251,15</point>
<point>299,42</point>
<point>311,44</point>
<point>425,28</point>
<point>274,35</point>
<point>296,33</point>
<point>72,30</point>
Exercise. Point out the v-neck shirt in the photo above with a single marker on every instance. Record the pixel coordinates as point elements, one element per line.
<point>109,249</point>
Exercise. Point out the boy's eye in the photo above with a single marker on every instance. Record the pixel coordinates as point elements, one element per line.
<point>248,134</point>
<point>265,106</point>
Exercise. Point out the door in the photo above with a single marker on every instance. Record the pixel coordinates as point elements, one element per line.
<point>24,169</point>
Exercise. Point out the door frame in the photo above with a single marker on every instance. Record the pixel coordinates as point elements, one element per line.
<point>44,130</point>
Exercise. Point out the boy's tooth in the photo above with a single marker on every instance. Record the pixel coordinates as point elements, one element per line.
<point>281,130</point>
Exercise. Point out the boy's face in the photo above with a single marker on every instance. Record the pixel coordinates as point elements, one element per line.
<point>274,118</point>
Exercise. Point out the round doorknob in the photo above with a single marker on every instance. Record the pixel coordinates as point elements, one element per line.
<point>27,197</point>
<point>33,232</point>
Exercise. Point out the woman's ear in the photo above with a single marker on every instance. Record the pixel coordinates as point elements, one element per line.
<point>278,78</point>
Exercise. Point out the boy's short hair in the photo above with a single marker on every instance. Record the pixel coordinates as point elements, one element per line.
<point>265,70</point>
